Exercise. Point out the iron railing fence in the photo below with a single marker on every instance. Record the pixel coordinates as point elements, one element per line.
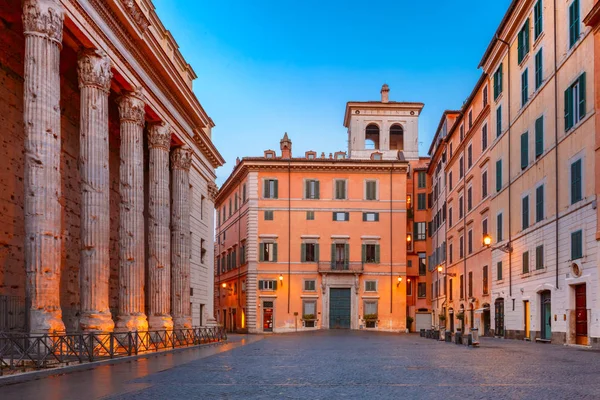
<point>21,352</point>
<point>341,266</point>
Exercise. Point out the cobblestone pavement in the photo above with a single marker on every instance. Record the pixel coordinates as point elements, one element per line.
<point>336,365</point>
<point>369,365</point>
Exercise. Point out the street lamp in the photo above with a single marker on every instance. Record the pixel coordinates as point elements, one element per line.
<point>408,238</point>
<point>441,271</point>
<point>224,285</point>
<point>399,281</point>
<point>281,279</point>
<point>487,242</point>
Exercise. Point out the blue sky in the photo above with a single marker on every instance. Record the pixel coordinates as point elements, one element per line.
<point>269,67</point>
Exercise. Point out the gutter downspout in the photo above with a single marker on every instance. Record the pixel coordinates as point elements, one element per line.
<point>556,144</point>
<point>391,241</point>
<point>289,234</point>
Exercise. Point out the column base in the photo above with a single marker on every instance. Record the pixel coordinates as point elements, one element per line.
<point>96,322</point>
<point>131,323</point>
<point>45,321</point>
<point>160,323</point>
<point>182,322</point>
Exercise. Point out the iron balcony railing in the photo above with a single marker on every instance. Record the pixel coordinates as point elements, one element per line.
<point>23,352</point>
<point>341,267</point>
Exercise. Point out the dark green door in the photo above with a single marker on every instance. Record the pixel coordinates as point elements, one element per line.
<point>546,315</point>
<point>339,308</point>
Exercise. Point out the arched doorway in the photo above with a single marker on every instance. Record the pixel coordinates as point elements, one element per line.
<point>396,137</point>
<point>486,319</point>
<point>546,315</point>
<point>451,318</point>
<point>372,137</point>
<point>499,317</point>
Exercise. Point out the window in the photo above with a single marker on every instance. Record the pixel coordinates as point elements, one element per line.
<point>310,215</point>
<point>450,180</point>
<point>420,231</point>
<point>574,28</point>
<point>370,308</point>
<point>484,226</point>
<point>309,312</point>
<point>243,254</point>
<point>311,189</point>
<point>499,121</point>
<point>450,289</point>
<point>230,207</point>
<point>539,203</point>
<point>224,213</point>
<point>538,20</point>
<point>462,286</point>
<point>451,253</point>
<point>539,69</point>
<point>267,285</point>
<point>244,193</point>
<point>470,284</point>
<point>421,201</point>
<point>499,271</point>
<point>462,132</point>
<point>310,156</point>
<point>202,201</point>
<point>309,252</point>
<point>422,290</point>
<point>524,87</point>
<point>484,185</point>
<point>498,175</point>
<point>370,286</point>
<point>498,82</point>
<point>422,179</point>
<point>470,242</point>
<point>469,199</point>
<point>268,215</point>
<point>485,280</point>
<point>576,188</point>
<point>577,245</point>
<point>461,168</point>
<point>340,189</point>
<point>408,288</point>
<point>526,262</point>
<point>523,48</point>
<point>461,207</point>
<point>484,138</point>
<point>236,201</point>
<point>268,252</point>
<point>310,285</point>
<point>370,253</point>
<point>450,216</point>
<point>461,247</point>
<point>539,136</point>
<point>485,96</point>
<point>470,119</point>
<point>422,264</point>
<point>539,257</point>
<point>575,106</point>
<point>371,190</point>
<point>525,212</point>
<point>270,189</point>
<point>371,217</point>
<point>469,156</point>
<point>202,251</point>
<point>341,216</point>
<point>451,150</point>
<point>499,227</point>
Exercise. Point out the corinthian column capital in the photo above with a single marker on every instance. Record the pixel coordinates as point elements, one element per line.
<point>131,107</point>
<point>94,69</point>
<point>43,18</point>
<point>159,136</point>
<point>181,158</point>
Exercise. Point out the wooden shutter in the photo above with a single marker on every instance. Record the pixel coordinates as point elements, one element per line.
<point>377,253</point>
<point>539,136</point>
<point>526,262</point>
<point>261,252</point>
<point>303,252</point>
<point>333,253</point>
<point>346,254</point>
<point>317,190</point>
<point>377,217</point>
<point>539,203</point>
<point>276,194</point>
<point>317,259</point>
<point>526,38</point>
<point>364,253</point>
<point>274,252</point>
<point>568,108</point>
<point>307,189</point>
<point>274,284</point>
<point>576,245</point>
<point>261,285</point>
<point>576,181</point>
<point>498,175</point>
<point>525,202</point>
<point>581,96</point>
<point>347,217</point>
<point>524,150</point>
<point>364,216</point>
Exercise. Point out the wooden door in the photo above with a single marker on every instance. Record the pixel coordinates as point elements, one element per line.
<point>339,308</point>
<point>581,323</point>
<point>499,317</point>
<point>268,316</point>
<point>526,319</point>
<point>546,315</point>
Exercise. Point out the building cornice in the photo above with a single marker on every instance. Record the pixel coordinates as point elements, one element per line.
<point>377,105</point>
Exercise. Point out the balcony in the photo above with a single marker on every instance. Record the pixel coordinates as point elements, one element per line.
<point>341,267</point>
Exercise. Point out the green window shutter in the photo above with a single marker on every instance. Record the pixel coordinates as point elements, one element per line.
<point>525,211</point>
<point>538,19</point>
<point>527,41</point>
<point>539,203</point>
<point>498,175</point>
<point>526,262</point>
<point>261,252</point>
<point>574,23</point>
<point>576,182</point>
<point>524,150</point>
<point>568,109</point>
<point>498,121</point>
<point>576,245</point>
<point>539,69</point>
<point>333,216</point>
<point>274,252</point>
<point>347,253</point>
<point>524,87</point>
<point>347,216</point>
<point>582,96</point>
<point>539,136</point>
<point>520,47</point>
<point>276,194</point>
<point>274,285</point>
<point>364,253</point>
<point>307,189</point>
<point>364,216</point>
<point>318,190</point>
<point>261,285</point>
<point>337,190</point>
<point>303,252</point>
<point>317,259</point>
<point>377,217</point>
<point>501,79</point>
<point>377,253</point>
<point>333,253</point>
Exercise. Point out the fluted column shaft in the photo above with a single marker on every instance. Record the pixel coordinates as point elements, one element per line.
<point>181,160</point>
<point>94,83</point>
<point>159,233</point>
<point>131,218</point>
<point>43,28</point>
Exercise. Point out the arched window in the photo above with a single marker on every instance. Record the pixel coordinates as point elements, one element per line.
<point>372,137</point>
<point>397,137</point>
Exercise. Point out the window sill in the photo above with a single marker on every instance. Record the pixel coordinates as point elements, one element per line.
<point>525,59</point>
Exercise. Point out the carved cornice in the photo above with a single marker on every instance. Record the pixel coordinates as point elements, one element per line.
<point>213,191</point>
<point>93,69</point>
<point>135,12</point>
<point>131,107</point>
<point>181,158</point>
<point>43,18</point>
<point>159,136</point>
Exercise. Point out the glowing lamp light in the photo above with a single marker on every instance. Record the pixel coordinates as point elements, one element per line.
<point>440,268</point>
<point>407,280</point>
<point>399,279</point>
<point>409,238</point>
<point>487,240</point>
<point>280,278</point>
<point>224,285</point>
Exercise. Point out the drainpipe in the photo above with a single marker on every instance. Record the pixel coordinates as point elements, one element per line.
<point>289,234</point>
<point>391,242</point>
<point>556,144</point>
<point>509,175</point>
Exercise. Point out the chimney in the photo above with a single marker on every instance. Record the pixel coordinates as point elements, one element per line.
<point>286,147</point>
<point>385,93</point>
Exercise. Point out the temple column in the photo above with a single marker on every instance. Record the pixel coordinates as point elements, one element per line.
<point>131,227</point>
<point>94,83</point>
<point>159,234</point>
<point>181,161</point>
<point>43,29</point>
